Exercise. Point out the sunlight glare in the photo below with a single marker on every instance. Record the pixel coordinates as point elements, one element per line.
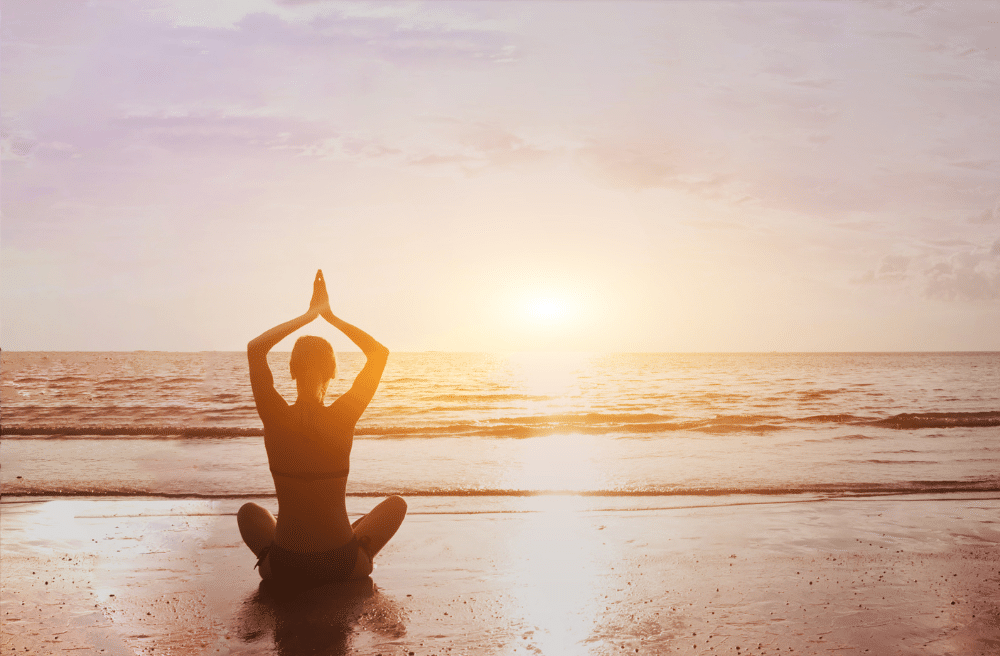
<point>551,374</point>
<point>569,462</point>
<point>548,310</point>
<point>561,576</point>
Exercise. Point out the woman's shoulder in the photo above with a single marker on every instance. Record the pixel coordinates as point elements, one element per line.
<point>276,417</point>
<point>346,410</point>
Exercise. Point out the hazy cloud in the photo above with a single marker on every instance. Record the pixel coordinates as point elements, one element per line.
<point>969,275</point>
<point>989,215</point>
<point>16,146</point>
<point>952,271</point>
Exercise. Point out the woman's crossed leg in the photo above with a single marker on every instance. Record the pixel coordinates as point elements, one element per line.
<point>375,529</point>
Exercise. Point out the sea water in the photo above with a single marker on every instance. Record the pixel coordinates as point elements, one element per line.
<point>517,425</point>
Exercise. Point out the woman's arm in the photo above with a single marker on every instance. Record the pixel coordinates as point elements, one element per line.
<point>261,379</point>
<point>364,341</point>
<point>356,400</point>
<point>360,395</point>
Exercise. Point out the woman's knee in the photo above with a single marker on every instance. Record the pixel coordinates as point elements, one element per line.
<point>256,525</point>
<point>246,511</point>
<point>397,504</point>
<point>250,512</point>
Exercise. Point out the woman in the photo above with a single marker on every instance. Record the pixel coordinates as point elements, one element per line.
<point>308,450</point>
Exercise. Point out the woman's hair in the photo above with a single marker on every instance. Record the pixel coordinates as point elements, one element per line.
<point>312,355</point>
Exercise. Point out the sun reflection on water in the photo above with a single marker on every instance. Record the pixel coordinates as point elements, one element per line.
<point>563,463</point>
<point>556,376</point>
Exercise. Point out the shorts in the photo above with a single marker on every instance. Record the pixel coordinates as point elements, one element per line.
<point>311,568</point>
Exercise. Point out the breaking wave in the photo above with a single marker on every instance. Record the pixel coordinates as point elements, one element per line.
<point>533,426</point>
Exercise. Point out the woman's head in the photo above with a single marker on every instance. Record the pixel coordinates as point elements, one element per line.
<point>312,359</point>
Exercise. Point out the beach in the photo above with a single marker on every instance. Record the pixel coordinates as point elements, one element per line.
<point>559,504</point>
<point>544,575</point>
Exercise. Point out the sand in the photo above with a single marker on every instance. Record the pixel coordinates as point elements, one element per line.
<point>544,575</point>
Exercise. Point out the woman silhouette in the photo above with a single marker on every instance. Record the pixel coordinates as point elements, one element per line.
<point>308,444</point>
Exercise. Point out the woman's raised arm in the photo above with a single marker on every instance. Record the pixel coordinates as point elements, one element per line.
<point>261,378</point>
<point>357,398</point>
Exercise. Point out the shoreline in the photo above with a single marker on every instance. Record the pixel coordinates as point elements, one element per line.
<point>543,575</point>
<point>537,501</point>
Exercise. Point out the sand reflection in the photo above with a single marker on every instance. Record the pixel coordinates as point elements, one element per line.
<point>322,620</point>
<point>561,557</point>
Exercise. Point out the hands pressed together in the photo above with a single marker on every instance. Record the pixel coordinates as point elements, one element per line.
<point>320,303</point>
<point>319,306</point>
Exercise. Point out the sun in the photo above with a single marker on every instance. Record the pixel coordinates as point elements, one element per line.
<point>548,317</point>
<point>548,310</point>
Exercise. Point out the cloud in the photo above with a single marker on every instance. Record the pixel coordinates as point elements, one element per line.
<point>980,164</point>
<point>16,145</point>
<point>132,88</point>
<point>969,275</point>
<point>444,144</point>
<point>893,267</point>
<point>218,132</point>
<point>396,37</point>
<point>989,215</point>
<point>950,270</point>
<point>651,166</point>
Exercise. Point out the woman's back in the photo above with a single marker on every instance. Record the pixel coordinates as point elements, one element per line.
<point>308,451</point>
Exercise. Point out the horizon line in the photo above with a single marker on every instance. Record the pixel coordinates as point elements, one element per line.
<point>534,351</point>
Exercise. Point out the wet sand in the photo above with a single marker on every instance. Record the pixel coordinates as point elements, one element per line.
<point>542,575</point>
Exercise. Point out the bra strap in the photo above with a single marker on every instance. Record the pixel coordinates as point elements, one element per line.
<point>313,476</point>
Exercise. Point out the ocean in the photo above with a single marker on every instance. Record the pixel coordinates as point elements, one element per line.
<point>521,425</point>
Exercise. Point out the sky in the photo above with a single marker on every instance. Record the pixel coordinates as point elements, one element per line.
<point>476,176</point>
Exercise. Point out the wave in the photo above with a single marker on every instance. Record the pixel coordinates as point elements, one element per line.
<point>810,395</point>
<point>472,396</point>
<point>831,419</point>
<point>541,425</point>
<point>516,430</point>
<point>876,461</point>
<point>940,420</point>
<point>129,431</point>
<point>825,489</point>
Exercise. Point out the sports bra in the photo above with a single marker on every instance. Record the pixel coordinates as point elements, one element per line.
<point>313,476</point>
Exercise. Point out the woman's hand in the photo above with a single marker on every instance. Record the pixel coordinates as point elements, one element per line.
<point>320,303</point>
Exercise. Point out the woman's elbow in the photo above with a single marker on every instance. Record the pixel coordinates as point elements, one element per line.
<point>254,349</point>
